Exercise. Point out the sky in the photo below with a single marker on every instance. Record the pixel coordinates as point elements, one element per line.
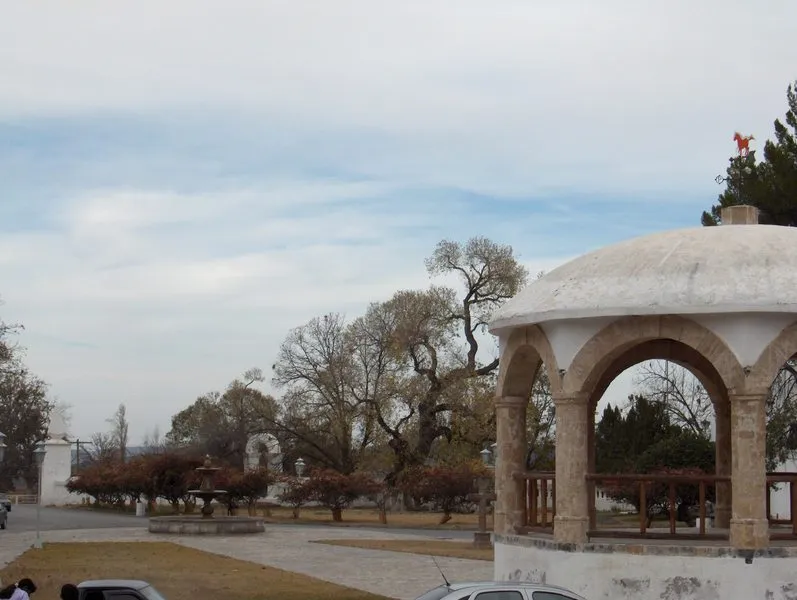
<point>184,182</point>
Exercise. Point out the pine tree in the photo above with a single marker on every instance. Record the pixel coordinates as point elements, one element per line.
<point>771,184</point>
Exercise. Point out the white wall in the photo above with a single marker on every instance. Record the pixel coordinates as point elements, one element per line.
<point>780,499</point>
<point>56,471</point>
<point>623,575</point>
<point>604,503</point>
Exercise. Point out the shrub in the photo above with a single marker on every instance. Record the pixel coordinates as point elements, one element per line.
<point>172,476</point>
<point>101,481</point>
<point>447,487</point>
<point>244,486</point>
<point>297,493</point>
<point>253,485</point>
<point>685,454</point>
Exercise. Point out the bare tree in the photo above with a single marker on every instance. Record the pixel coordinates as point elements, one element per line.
<point>782,417</point>
<point>323,403</point>
<point>686,400</point>
<point>541,424</point>
<point>436,330</point>
<point>103,448</point>
<point>119,431</point>
<point>153,442</point>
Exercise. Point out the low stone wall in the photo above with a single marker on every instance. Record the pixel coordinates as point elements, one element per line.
<point>650,571</point>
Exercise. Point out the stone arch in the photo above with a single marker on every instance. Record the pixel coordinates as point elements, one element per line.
<point>521,357</point>
<point>252,458</point>
<point>773,357</point>
<point>621,336</point>
<point>674,352</point>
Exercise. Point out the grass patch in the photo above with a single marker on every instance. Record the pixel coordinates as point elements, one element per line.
<point>323,516</point>
<point>429,548</point>
<point>179,573</point>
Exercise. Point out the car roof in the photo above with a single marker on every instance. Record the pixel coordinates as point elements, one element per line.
<point>133,584</point>
<point>528,585</point>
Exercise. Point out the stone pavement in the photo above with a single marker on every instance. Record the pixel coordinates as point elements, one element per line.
<point>393,574</point>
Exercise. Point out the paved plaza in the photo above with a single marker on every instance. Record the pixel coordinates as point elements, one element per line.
<point>393,574</point>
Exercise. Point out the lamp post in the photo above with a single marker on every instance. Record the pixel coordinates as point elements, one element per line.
<point>38,454</point>
<point>481,538</point>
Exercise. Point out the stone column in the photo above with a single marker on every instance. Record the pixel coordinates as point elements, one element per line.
<point>510,504</point>
<point>572,462</point>
<point>749,525</point>
<point>722,507</point>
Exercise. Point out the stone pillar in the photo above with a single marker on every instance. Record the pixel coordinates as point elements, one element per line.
<point>722,507</point>
<point>572,462</point>
<point>749,525</point>
<point>511,444</point>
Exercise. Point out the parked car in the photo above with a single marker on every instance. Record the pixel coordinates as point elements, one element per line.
<point>5,501</point>
<point>497,590</point>
<point>117,589</point>
<point>3,516</point>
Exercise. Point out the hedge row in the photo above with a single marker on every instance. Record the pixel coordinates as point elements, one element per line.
<point>171,476</point>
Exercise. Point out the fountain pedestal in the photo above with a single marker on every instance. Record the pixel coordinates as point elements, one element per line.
<point>206,524</point>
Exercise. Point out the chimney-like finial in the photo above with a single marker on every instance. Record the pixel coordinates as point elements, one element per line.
<point>741,214</point>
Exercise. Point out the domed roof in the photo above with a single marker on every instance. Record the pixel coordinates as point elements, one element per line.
<point>702,270</point>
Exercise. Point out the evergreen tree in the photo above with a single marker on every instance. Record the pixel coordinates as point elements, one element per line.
<point>621,439</point>
<point>771,184</point>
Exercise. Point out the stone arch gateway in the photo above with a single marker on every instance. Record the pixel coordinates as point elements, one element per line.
<point>263,450</point>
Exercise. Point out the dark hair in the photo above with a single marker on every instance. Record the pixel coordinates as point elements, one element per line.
<point>27,585</point>
<point>8,591</point>
<point>69,592</point>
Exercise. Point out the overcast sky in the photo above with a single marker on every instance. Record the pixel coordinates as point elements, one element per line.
<point>183,182</point>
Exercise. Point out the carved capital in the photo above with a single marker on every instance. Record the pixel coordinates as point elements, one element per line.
<point>511,402</point>
<point>571,399</point>
<point>747,398</point>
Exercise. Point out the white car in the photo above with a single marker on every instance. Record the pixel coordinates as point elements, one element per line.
<point>497,590</point>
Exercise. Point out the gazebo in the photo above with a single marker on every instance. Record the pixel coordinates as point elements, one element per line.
<point>720,301</point>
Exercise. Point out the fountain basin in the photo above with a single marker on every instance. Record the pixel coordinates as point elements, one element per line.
<point>196,525</point>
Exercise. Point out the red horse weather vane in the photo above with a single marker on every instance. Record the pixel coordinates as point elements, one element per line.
<point>742,143</point>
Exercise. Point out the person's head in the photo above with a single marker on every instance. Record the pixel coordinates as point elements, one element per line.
<point>27,585</point>
<point>69,592</point>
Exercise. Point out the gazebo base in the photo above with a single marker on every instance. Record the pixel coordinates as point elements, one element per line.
<point>650,569</point>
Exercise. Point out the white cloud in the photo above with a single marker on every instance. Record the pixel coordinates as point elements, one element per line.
<point>503,96</point>
<point>121,307</point>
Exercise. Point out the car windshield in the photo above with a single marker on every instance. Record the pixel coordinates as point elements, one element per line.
<point>436,593</point>
<point>150,593</point>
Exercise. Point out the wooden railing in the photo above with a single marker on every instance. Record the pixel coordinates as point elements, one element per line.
<point>540,493</point>
<point>643,483</point>
<point>779,531</point>
<point>22,498</point>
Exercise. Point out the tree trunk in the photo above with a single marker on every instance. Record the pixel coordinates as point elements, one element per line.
<point>383,516</point>
<point>337,515</point>
<point>445,518</point>
<point>427,428</point>
<point>295,512</point>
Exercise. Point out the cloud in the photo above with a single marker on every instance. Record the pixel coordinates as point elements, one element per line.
<point>508,99</point>
<point>151,297</point>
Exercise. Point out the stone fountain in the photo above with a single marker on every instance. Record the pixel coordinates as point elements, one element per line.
<point>206,523</point>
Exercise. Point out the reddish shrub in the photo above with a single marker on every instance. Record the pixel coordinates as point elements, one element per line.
<point>337,491</point>
<point>447,487</point>
<point>297,492</point>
